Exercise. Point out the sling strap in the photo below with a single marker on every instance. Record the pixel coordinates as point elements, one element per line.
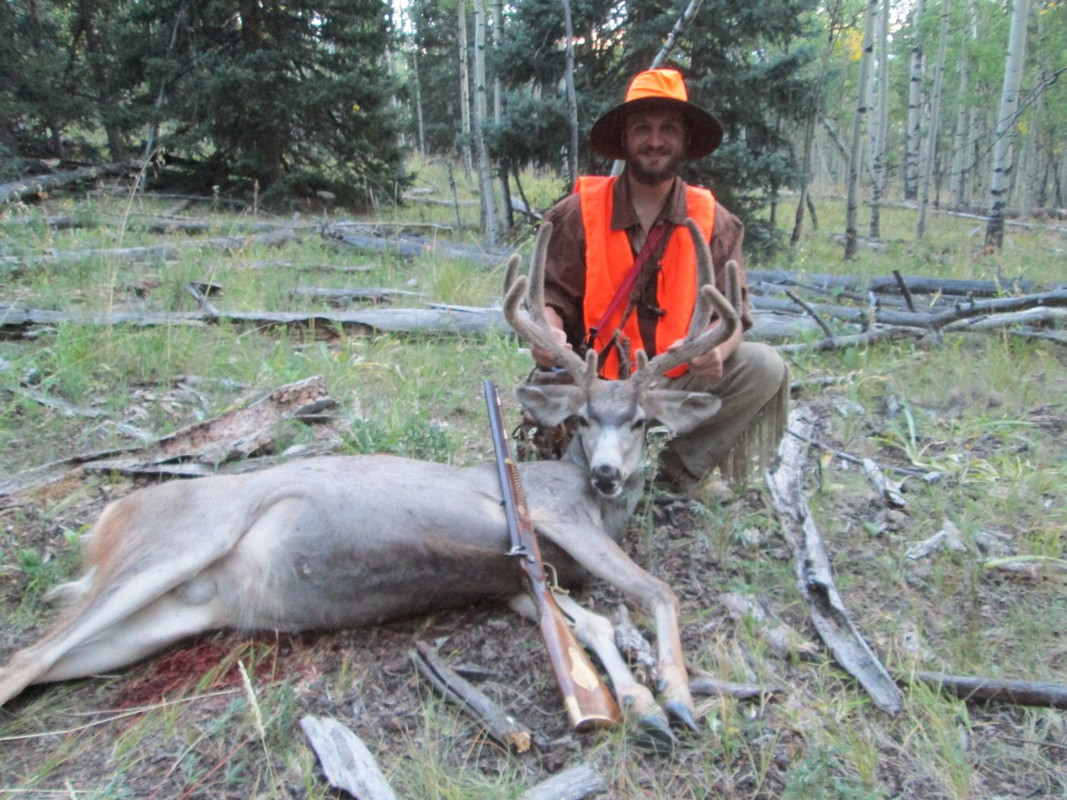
<point>655,237</point>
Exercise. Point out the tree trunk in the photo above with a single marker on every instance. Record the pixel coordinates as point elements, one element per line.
<point>935,120</point>
<point>464,91</point>
<point>962,136</point>
<point>420,129</point>
<point>913,133</point>
<point>481,108</point>
<point>856,153</point>
<point>1004,144</point>
<point>880,126</point>
<point>572,99</point>
<point>498,114</point>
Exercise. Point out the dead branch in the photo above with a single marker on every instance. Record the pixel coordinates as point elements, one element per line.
<point>164,252</point>
<point>233,435</point>
<point>41,184</point>
<point>916,284</point>
<point>814,575</point>
<point>497,722</point>
<point>346,761</point>
<point>341,297</point>
<point>416,247</point>
<point>16,322</point>
<point>710,686</point>
<point>573,783</point>
<point>992,690</point>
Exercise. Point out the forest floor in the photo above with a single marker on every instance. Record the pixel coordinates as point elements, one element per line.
<point>967,578</point>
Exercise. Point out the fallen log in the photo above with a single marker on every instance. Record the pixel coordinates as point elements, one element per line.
<point>814,576</point>
<point>934,320</point>
<point>24,188</point>
<point>340,297</point>
<point>916,284</point>
<point>232,435</point>
<point>17,322</point>
<point>415,247</point>
<point>163,252</point>
<point>992,690</point>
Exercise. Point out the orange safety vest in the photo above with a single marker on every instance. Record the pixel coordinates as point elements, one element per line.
<point>608,257</point>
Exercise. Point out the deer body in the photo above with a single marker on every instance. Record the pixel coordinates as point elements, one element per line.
<point>344,541</point>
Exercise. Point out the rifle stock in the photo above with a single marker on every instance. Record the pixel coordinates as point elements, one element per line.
<point>587,701</point>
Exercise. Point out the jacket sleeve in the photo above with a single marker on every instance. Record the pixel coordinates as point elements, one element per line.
<point>565,266</point>
<point>726,242</point>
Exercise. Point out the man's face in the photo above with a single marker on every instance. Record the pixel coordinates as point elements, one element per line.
<point>655,142</point>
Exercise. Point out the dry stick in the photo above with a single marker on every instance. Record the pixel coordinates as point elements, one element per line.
<point>904,290</point>
<point>571,784</point>
<point>345,760</point>
<point>498,723</point>
<point>812,313</point>
<point>710,686</point>
<point>994,690</point>
<point>814,576</point>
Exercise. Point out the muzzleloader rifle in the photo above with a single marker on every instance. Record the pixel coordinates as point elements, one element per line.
<point>588,702</point>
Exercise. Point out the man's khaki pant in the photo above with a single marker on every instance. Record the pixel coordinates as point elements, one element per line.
<point>754,390</point>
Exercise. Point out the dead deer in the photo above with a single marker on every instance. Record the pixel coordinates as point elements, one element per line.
<point>342,541</point>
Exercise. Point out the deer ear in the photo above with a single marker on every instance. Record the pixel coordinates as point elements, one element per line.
<point>681,412</point>
<point>551,404</point>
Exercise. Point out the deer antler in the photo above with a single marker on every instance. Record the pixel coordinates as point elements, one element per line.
<point>700,338</point>
<point>531,324</point>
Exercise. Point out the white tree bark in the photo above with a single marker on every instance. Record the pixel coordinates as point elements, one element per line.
<point>572,97</point>
<point>963,136</point>
<point>880,125</point>
<point>935,120</point>
<point>481,110</point>
<point>855,165</point>
<point>1004,144</point>
<point>913,132</point>
<point>464,89</point>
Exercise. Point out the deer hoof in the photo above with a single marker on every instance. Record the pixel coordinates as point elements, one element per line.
<point>683,712</point>
<point>654,734</point>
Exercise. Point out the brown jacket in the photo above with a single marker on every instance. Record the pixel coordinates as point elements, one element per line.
<point>565,268</point>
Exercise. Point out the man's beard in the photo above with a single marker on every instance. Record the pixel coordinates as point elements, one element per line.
<point>653,177</point>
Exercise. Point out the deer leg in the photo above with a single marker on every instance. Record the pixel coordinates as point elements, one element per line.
<point>604,558</point>
<point>169,619</point>
<point>113,630</point>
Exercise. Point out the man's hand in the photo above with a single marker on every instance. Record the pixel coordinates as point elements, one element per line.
<point>709,366</point>
<point>543,357</point>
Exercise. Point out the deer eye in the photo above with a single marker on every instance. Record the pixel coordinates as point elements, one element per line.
<point>638,424</point>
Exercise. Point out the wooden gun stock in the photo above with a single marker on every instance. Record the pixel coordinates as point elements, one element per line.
<point>588,702</point>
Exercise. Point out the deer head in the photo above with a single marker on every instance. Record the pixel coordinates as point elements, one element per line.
<point>613,416</point>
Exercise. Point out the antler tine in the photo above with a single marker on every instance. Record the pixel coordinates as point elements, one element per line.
<point>531,325</point>
<point>700,338</point>
<point>705,277</point>
<point>511,272</point>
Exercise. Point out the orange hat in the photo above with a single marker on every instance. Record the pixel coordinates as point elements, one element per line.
<point>656,87</point>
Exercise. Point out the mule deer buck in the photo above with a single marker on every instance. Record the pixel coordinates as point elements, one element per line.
<point>343,541</point>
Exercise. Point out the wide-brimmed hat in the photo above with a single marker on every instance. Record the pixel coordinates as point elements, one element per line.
<point>656,88</point>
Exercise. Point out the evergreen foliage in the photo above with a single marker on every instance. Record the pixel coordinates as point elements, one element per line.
<point>292,97</point>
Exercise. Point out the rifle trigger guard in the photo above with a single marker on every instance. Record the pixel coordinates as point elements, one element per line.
<point>553,579</point>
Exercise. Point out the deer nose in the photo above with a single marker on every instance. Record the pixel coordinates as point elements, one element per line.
<point>606,479</point>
